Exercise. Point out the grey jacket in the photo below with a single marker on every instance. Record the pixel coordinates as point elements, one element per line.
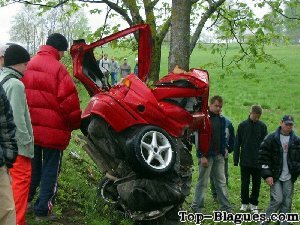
<point>15,92</point>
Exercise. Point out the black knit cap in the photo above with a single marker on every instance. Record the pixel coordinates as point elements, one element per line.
<point>15,54</point>
<point>57,41</point>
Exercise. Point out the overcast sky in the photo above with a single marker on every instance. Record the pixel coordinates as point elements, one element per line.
<point>8,12</point>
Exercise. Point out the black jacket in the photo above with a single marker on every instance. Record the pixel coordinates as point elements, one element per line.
<point>249,136</point>
<point>271,156</point>
<point>8,141</point>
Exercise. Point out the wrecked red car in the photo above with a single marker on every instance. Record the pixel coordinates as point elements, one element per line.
<point>140,136</point>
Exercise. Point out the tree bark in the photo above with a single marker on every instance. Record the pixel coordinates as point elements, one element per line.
<point>156,58</point>
<point>180,34</point>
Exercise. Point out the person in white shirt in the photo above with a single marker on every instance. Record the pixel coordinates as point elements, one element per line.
<point>105,67</point>
<point>279,157</point>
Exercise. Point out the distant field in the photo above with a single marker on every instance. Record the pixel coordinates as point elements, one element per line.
<point>277,90</point>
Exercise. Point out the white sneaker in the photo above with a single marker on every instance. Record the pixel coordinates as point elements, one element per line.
<point>244,207</point>
<point>253,208</point>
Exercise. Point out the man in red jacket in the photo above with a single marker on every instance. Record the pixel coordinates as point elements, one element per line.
<point>54,108</point>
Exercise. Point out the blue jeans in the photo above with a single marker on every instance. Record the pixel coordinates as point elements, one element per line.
<point>281,196</point>
<point>216,167</point>
<point>45,170</point>
<point>114,78</point>
<point>212,184</point>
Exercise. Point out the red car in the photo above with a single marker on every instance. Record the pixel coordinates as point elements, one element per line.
<point>135,129</point>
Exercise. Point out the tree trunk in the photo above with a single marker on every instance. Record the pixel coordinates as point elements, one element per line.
<point>180,34</point>
<point>156,57</point>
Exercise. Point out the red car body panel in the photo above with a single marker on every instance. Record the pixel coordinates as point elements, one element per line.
<point>131,102</point>
<point>119,106</point>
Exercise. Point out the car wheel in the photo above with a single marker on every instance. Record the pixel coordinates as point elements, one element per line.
<point>154,151</point>
<point>108,191</point>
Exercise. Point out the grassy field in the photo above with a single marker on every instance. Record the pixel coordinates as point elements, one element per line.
<point>276,89</point>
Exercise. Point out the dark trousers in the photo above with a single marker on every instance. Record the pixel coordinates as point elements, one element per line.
<point>246,173</point>
<point>45,170</point>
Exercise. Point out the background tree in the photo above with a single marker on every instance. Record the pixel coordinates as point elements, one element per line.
<point>32,27</point>
<point>292,27</point>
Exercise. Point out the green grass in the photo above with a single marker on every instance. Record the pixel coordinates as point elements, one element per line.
<point>276,89</point>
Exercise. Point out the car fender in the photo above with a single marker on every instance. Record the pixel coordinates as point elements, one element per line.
<point>111,110</point>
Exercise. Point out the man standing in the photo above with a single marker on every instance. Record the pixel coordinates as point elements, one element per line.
<point>55,112</point>
<point>105,67</point>
<point>279,158</point>
<point>8,154</point>
<point>15,62</point>
<point>249,136</point>
<point>114,71</point>
<point>125,69</point>
<point>213,161</point>
<point>229,131</point>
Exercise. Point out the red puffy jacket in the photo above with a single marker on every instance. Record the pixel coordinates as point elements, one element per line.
<point>52,99</point>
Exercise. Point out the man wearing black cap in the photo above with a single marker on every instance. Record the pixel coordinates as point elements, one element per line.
<point>15,62</point>
<point>54,108</point>
<point>279,157</point>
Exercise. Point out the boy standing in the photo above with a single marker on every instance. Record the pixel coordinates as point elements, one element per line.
<point>249,136</point>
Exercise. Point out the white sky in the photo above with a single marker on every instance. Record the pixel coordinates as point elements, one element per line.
<point>8,12</point>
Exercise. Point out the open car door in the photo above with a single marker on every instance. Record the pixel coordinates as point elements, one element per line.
<point>86,69</point>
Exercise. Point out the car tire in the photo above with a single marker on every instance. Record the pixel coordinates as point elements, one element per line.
<point>152,151</point>
<point>108,191</point>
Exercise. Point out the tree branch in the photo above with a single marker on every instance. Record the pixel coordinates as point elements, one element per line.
<point>117,9</point>
<point>164,30</point>
<point>231,24</point>
<point>150,18</point>
<point>212,8</point>
<point>224,55</point>
<point>245,53</point>
<point>134,12</point>
<point>194,1</point>
<point>152,4</point>
<point>282,14</point>
<point>215,21</point>
<point>39,4</point>
<point>110,4</point>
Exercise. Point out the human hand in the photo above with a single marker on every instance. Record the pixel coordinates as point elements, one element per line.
<point>204,162</point>
<point>226,154</point>
<point>270,181</point>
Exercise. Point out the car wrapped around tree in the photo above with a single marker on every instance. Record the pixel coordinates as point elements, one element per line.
<point>141,137</point>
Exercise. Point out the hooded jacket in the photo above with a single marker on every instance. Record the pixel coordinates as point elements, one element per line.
<point>15,93</point>
<point>52,99</point>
